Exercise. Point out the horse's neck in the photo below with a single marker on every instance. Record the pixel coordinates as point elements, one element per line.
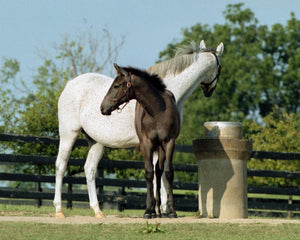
<point>150,99</point>
<point>184,84</point>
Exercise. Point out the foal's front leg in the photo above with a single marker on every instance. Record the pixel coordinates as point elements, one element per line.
<point>149,175</point>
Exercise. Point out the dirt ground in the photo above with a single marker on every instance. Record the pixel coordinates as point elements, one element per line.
<point>113,219</point>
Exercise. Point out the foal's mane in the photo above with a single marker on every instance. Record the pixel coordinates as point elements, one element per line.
<point>153,79</point>
<point>184,57</point>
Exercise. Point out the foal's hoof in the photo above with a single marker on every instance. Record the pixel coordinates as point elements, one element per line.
<point>59,215</point>
<point>149,215</point>
<point>169,215</point>
<point>172,215</point>
<point>99,215</point>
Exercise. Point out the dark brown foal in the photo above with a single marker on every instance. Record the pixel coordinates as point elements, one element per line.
<point>157,124</point>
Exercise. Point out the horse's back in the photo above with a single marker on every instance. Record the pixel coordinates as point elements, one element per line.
<point>78,88</point>
<point>75,93</point>
<point>79,108</point>
<point>87,83</point>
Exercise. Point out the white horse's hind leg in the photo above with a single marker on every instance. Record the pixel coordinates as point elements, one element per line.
<point>163,194</point>
<point>65,147</point>
<point>163,189</point>
<point>90,168</point>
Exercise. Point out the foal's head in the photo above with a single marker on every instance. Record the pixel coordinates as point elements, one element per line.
<point>119,92</point>
<point>123,87</point>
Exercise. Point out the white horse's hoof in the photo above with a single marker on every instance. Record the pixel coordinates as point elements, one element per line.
<point>59,215</point>
<point>99,215</point>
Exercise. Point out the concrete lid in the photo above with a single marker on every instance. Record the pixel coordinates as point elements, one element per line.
<point>223,129</point>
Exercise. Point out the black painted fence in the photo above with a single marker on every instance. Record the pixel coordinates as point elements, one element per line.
<point>286,205</point>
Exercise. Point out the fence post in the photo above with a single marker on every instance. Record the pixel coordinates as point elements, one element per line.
<point>100,187</point>
<point>290,202</point>
<point>70,191</point>
<point>38,188</point>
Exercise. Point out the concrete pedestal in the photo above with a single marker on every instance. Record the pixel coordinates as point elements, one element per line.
<point>222,171</point>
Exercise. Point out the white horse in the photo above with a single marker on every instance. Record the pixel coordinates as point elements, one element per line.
<point>79,111</point>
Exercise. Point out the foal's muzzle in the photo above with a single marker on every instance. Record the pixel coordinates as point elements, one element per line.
<point>105,112</point>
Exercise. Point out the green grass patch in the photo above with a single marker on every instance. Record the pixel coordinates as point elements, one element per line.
<point>30,211</point>
<point>157,231</point>
<point>15,231</point>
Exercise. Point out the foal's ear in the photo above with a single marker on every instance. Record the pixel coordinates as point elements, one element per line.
<point>121,70</point>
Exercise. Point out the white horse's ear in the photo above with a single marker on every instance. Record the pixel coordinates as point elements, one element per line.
<point>220,49</point>
<point>202,45</point>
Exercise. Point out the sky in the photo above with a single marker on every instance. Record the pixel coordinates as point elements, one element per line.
<point>28,26</point>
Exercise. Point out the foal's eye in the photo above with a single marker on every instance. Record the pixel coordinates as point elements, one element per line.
<point>116,85</point>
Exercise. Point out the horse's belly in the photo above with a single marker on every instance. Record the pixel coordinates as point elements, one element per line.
<point>116,130</point>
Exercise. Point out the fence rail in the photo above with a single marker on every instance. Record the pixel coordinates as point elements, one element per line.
<point>129,200</point>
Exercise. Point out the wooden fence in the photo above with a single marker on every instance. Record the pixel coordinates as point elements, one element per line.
<point>260,199</point>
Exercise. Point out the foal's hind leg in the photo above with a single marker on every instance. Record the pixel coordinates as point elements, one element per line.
<point>65,147</point>
<point>159,168</point>
<point>146,150</point>
<point>90,169</point>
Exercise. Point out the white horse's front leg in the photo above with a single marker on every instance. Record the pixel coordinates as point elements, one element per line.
<point>65,148</point>
<point>60,166</point>
<point>90,169</point>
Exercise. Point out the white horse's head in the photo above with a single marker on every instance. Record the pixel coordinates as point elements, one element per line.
<point>209,85</point>
<point>192,65</point>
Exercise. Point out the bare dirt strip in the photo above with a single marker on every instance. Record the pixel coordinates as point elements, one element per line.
<point>114,219</point>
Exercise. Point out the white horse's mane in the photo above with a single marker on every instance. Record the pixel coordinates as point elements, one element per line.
<point>184,57</point>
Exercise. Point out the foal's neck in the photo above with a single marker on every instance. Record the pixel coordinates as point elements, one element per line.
<point>150,98</point>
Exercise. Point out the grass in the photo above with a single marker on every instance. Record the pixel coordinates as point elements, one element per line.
<point>29,211</point>
<point>15,231</point>
<point>216,231</point>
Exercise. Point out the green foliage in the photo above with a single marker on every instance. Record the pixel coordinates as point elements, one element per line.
<point>153,228</point>
<point>31,108</point>
<point>279,133</point>
<point>259,70</point>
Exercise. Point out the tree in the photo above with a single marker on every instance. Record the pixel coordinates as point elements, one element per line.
<point>260,73</point>
<point>89,52</point>
<point>259,70</point>
<point>31,108</point>
<point>280,133</point>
